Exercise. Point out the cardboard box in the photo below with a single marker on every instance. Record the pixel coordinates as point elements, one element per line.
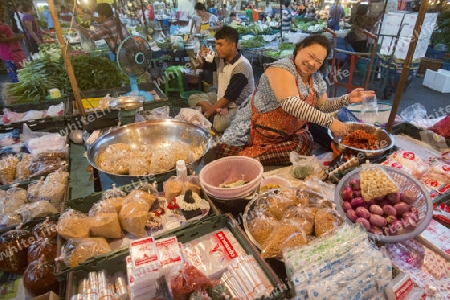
<point>47,296</point>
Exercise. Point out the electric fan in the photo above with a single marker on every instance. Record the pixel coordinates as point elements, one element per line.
<point>134,58</point>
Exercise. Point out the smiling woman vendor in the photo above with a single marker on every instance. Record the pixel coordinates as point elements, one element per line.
<point>291,93</point>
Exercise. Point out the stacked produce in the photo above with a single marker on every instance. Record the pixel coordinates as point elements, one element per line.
<point>376,202</point>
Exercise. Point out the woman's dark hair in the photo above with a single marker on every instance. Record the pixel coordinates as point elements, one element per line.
<point>200,6</point>
<point>104,9</point>
<point>228,34</point>
<point>26,6</point>
<point>315,40</point>
<point>362,10</point>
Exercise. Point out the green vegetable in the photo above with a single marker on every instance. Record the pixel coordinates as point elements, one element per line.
<point>301,172</point>
<point>253,42</point>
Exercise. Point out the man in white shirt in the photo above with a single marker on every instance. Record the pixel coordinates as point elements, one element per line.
<point>268,10</point>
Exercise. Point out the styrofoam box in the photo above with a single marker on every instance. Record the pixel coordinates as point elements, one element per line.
<point>437,80</point>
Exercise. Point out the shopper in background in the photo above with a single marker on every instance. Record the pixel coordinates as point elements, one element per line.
<point>18,14</point>
<point>286,17</point>
<point>31,28</point>
<point>48,18</point>
<point>268,10</point>
<point>311,15</point>
<point>336,14</point>
<point>224,14</point>
<point>212,9</point>
<point>249,14</point>
<point>10,51</point>
<point>291,93</point>
<point>109,29</point>
<point>234,20</point>
<point>151,13</point>
<point>205,20</point>
<point>235,80</point>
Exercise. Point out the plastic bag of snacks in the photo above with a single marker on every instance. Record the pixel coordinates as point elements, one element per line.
<point>39,277</point>
<point>173,188</point>
<point>73,224</point>
<point>33,189</point>
<point>187,281</point>
<point>304,166</point>
<point>14,198</point>
<point>133,216</point>
<point>42,247</point>
<point>8,167</point>
<point>23,167</point>
<point>106,224</point>
<point>76,251</point>
<point>16,261</point>
<point>375,183</point>
<point>114,192</point>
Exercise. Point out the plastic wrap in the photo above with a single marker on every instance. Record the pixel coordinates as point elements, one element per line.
<point>102,207</point>
<point>304,166</point>
<point>42,247</point>
<point>192,183</point>
<point>261,226</point>
<point>59,176</point>
<point>114,192</point>
<point>142,195</point>
<point>77,250</point>
<point>407,161</point>
<point>39,277</point>
<point>52,192</point>
<point>46,229</point>
<point>10,219</point>
<point>173,188</point>
<point>115,159</point>
<point>23,167</point>
<point>188,280</point>
<point>14,198</point>
<point>287,233</point>
<point>442,127</point>
<point>426,268</point>
<point>326,220</point>
<point>115,202</point>
<point>303,216</point>
<point>39,168</point>
<point>133,216</point>
<point>73,224</point>
<point>37,209</point>
<point>33,190</point>
<point>8,167</point>
<point>319,269</point>
<point>375,183</point>
<point>52,142</point>
<point>139,164</point>
<point>14,245</point>
<point>106,225</point>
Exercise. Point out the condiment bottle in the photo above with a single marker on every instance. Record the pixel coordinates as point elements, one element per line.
<point>181,170</point>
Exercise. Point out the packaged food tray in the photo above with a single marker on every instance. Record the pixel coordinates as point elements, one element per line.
<point>116,262</point>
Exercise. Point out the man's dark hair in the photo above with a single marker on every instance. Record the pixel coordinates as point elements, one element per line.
<point>287,3</point>
<point>314,40</point>
<point>233,14</point>
<point>104,9</point>
<point>228,34</point>
<point>200,6</point>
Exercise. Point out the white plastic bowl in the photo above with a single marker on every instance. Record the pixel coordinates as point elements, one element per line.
<point>275,180</point>
<point>405,182</point>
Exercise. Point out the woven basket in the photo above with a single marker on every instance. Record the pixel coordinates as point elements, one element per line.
<point>229,169</point>
<point>372,117</point>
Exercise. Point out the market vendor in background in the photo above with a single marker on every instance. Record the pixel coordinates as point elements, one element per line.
<point>110,28</point>
<point>204,20</point>
<point>291,93</point>
<point>286,17</point>
<point>31,28</point>
<point>235,80</point>
<point>10,51</point>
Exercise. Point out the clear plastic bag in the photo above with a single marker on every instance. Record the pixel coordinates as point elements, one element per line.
<point>414,112</point>
<point>53,193</point>
<point>33,190</point>
<point>46,229</point>
<point>172,188</point>
<point>187,281</point>
<point>39,277</point>
<point>59,176</point>
<point>192,183</point>
<point>77,250</point>
<point>14,198</point>
<point>73,224</point>
<point>133,216</point>
<point>15,261</point>
<point>106,225</point>
<point>375,183</point>
<point>369,104</point>
<point>23,171</point>
<point>114,192</point>
<point>8,167</point>
<point>304,166</point>
<point>36,209</point>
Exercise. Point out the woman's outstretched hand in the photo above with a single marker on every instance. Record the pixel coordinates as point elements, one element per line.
<point>338,128</point>
<point>357,95</point>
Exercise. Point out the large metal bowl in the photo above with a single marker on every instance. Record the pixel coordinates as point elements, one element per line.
<point>385,141</point>
<point>155,132</point>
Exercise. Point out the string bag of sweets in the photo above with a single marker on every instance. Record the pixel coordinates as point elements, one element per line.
<point>73,224</point>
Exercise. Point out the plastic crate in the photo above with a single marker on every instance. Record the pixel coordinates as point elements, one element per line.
<point>116,262</point>
<point>445,65</point>
<point>436,54</point>
<point>84,204</point>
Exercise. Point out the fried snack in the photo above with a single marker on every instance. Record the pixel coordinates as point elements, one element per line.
<point>139,164</point>
<point>77,251</point>
<point>115,159</point>
<point>303,216</point>
<point>261,227</point>
<point>285,235</point>
<point>8,167</point>
<point>133,216</point>
<point>326,220</point>
<point>139,194</point>
<point>106,225</point>
<point>361,140</point>
<point>73,224</point>
<point>276,204</point>
<point>23,171</point>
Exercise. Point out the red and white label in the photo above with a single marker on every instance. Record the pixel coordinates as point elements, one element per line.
<point>404,289</point>
<point>409,155</point>
<point>144,254</point>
